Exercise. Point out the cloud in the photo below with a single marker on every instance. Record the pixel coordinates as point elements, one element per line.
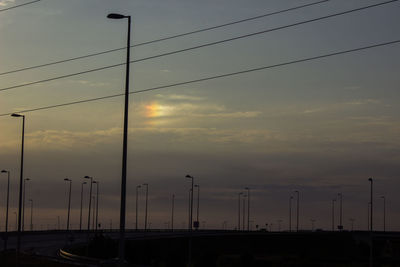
<point>180,97</point>
<point>6,2</point>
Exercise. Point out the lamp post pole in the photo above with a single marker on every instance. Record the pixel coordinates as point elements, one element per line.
<point>69,200</point>
<point>172,212</point>
<point>297,215</point>
<point>198,204</point>
<point>244,212</point>
<point>384,213</point>
<point>80,216</point>
<point>371,202</point>
<point>290,213</point>
<point>97,203</point>
<point>137,200</point>
<point>371,220</point>
<point>8,198</point>
<point>90,202</point>
<point>239,194</point>
<point>191,203</point>
<point>20,183</point>
<point>340,211</point>
<point>121,252</point>
<point>145,212</point>
<point>248,208</point>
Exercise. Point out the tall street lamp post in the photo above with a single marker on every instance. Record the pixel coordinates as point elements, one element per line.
<point>297,215</point>
<point>121,253</point>
<point>90,202</point>
<point>384,213</point>
<point>31,214</point>
<point>145,212</point>
<point>191,203</point>
<point>69,200</point>
<point>172,212</point>
<point>340,227</point>
<point>80,216</point>
<point>290,213</point>
<point>97,203</point>
<point>244,212</point>
<point>137,200</point>
<point>23,204</point>
<point>20,183</point>
<point>371,204</point>
<point>239,194</point>
<point>8,198</point>
<point>248,208</point>
<point>198,205</point>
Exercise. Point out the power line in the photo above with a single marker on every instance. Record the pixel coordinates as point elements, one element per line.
<point>167,38</point>
<point>199,46</point>
<point>212,77</point>
<point>12,7</point>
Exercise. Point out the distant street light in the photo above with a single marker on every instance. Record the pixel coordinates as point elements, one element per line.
<point>340,227</point>
<point>8,198</point>
<point>31,214</point>
<point>23,207</point>
<point>121,251</point>
<point>297,219</point>
<point>20,182</point>
<point>244,212</point>
<point>97,203</point>
<point>90,201</point>
<point>198,204</point>
<point>80,216</point>
<point>172,212</point>
<point>371,207</point>
<point>239,194</point>
<point>191,203</point>
<point>248,208</point>
<point>137,200</point>
<point>145,212</point>
<point>290,213</point>
<point>384,213</point>
<point>69,200</point>
<point>333,214</point>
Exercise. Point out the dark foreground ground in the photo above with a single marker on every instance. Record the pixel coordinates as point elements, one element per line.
<point>254,249</point>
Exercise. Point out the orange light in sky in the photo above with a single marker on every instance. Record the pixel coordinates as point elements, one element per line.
<point>153,110</point>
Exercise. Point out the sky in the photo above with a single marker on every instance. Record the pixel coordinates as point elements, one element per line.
<point>321,127</point>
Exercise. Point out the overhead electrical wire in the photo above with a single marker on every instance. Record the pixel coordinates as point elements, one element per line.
<point>12,7</point>
<point>211,77</point>
<point>199,46</point>
<point>167,38</point>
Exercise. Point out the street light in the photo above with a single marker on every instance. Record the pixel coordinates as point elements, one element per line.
<point>23,207</point>
<point>97,203</point>
<point>121,253</point>
<point>69,200</point>
<point>198,205</point>
<point>290,213</point>
<point>172,212</point>
<point>31,214</point>
<point>384,213</point>
<point>244,211</point>
<point>90,202</point>
<point>8,198</point>
<point>137,200</point>
<point>248,208</point>
<point>20,182</point>
<point>297,219</point>
<point>145,214</point>
<point>371,202</point>
<point>239,194</point>
<point>340,227</point>
<point>191,203</point>
<point>80,216</point>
